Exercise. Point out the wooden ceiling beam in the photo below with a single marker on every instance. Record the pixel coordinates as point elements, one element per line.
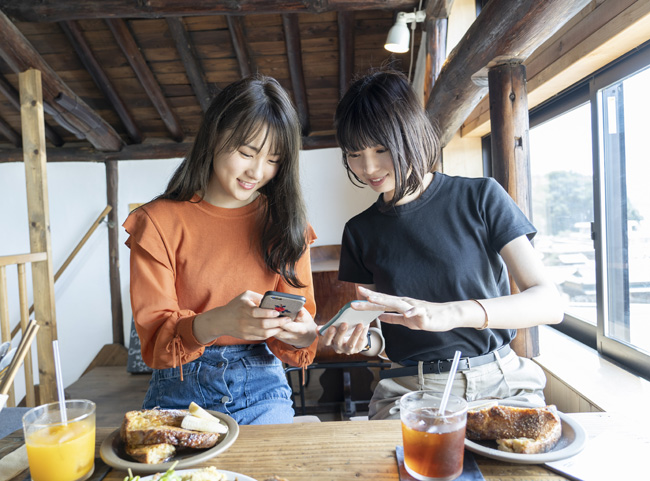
<point>190,60</point>
<point>438,8</point>
<point>239,44</point>
<point>62,10</point>
<point>10,134</point>
<point>127,43</point>
<point>21,56</point>
<point>506,31</point>
<point>88,59</point>
<point>14,99</point>
<point>294,58</point>
<point>346,50</point>
<point>147,150</point>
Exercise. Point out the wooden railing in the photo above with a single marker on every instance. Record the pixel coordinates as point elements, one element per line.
<point>19,261</point>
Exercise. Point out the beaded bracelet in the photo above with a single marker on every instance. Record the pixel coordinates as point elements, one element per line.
<point>485,324</point>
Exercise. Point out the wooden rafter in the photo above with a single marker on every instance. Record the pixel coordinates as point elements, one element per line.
<point>78,41</point>
<point>190,60</point>
<point>294,57</point>
<point>236,28</point>
<point>148,150</point>
<point>20,56</point>
<point>9,133</point>
<point>60,10</point>
<point>506,31</point>
<point>139,65</point>
<point>12,96</point>
<point>346,50</point>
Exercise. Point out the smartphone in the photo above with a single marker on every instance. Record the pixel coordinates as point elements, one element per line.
<point>288,305</point>
<point>351,317</point>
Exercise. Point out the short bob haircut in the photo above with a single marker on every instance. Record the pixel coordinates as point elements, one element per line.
<point>238,114</point>
<point>381,108</point>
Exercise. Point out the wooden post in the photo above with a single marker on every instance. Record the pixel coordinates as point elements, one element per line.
<point>511,158</point>
<point>33,128</point>
<point>436,29</point>
<point>113,252</point>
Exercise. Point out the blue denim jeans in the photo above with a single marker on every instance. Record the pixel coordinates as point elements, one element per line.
<point>245,381</point>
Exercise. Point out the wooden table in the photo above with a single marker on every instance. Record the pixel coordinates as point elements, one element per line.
<point>327,451</point>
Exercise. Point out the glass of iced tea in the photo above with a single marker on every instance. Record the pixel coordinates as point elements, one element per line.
<point>434,442</point>
<point>57,450</point>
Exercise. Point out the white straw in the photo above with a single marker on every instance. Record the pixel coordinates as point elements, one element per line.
<point>450,381</point>
<point>59,381</point>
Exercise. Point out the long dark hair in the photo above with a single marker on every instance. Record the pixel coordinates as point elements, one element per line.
<point>236,116</point>
<point>381,108</point>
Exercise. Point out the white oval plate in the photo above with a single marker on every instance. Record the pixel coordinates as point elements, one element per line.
<point>230,476</point>
<point>571,442</point>
<point>113,454</point>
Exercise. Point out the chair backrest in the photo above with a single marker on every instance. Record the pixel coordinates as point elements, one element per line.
<point>24,350</point>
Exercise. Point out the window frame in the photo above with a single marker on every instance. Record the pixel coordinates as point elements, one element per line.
<point>587,92</point>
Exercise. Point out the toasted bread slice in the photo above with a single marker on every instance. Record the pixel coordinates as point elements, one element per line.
<point>163,426</point>
<point>508,422</point>
<point>151,453</point>
<point>516,429</point>
<point>542,444</point>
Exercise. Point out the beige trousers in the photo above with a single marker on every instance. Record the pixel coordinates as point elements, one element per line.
<point>512,378</point>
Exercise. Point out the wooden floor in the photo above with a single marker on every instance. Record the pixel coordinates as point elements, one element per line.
<point>115,391</point>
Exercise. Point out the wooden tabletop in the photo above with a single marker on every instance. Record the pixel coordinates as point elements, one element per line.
<point>326,451</point>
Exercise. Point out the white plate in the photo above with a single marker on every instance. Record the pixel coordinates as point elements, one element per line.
<point>113,454</point>
<point>230,476</point>
<point>571,442</point>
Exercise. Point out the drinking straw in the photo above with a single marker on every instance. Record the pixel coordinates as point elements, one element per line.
<point>450,381</point>
<point>59,381</point>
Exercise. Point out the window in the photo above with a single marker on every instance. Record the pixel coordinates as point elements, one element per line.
<point>591,206</point>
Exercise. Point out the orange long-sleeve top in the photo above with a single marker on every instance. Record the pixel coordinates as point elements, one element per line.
<point>189,257</point>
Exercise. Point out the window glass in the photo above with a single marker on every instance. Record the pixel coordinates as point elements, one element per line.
<point>562,194</point>
<point>624,106</point>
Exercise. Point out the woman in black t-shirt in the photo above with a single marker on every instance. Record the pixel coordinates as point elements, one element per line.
<point>434,251</point>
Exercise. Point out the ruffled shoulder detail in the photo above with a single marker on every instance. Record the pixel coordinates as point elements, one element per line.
<point>143,230</point>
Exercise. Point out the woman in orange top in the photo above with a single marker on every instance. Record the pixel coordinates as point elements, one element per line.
<point>230,226</point>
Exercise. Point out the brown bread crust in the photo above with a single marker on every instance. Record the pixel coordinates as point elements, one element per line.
<point>163,426</point>
<point>504,422</point>
<point>516,429</point>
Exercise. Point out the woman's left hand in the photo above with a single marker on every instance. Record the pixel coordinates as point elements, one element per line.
<point>408,312</point>
<point>299,333</point>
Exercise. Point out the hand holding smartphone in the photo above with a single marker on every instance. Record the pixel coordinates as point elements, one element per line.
<point>351,317</point>
<point>288,305</point>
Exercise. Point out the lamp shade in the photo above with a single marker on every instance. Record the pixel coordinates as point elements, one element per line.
<point>398,37</point>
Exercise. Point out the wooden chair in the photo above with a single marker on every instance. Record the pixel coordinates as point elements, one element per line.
<point>25,327</point>
<point>345,379</point>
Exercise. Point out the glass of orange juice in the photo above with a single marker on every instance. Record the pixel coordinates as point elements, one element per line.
<point>434,441</point>
<point>57,450</point>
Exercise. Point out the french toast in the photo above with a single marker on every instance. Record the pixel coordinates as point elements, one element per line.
<point>151,453</point>
<point>163,426</point>
<point>516,429</point>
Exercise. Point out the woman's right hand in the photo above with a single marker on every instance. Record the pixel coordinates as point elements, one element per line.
<point>337,338</point>
<point>241,318</point>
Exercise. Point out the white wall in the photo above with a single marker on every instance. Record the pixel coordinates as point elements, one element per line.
<point>77,195</point>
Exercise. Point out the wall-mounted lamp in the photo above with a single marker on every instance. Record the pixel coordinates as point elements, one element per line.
<point>398,35</point>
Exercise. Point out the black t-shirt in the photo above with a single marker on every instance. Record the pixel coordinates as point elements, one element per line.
<point>442,247</point>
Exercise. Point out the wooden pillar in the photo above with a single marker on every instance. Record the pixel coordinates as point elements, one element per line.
<point>33,128</point>
<point>436,29</point>
<point>511,158</point>
<point>113,252</point>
